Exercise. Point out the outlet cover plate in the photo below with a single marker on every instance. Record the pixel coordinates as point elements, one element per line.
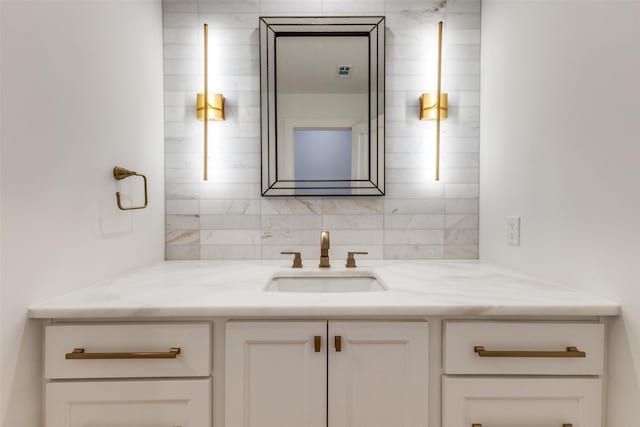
<point>513,230</point>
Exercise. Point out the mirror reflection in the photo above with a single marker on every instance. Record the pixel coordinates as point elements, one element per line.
<point>322,108</point>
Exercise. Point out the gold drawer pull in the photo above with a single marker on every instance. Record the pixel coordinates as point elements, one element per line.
<point>79,353</point>
<point>317,343</point>
<point>563,425</point>
<point>570,352</point>
<point>338,343</point>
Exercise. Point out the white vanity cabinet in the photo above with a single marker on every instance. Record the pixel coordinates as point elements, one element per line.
<point>375,374</point>
<point>543,374</point>
<point>126,375</point>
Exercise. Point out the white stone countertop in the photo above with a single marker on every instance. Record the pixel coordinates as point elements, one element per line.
<point>197,289</point>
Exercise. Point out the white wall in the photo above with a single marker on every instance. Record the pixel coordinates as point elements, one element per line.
<point>560,148</point>
<point>226,217</point>
<point>81,93</point>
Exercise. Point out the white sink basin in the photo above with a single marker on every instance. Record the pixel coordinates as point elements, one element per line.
<point>329,282</point>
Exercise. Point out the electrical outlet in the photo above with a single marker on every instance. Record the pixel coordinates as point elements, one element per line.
<point>513,230</point>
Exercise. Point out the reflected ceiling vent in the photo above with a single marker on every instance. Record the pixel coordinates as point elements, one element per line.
<point>344,70</point>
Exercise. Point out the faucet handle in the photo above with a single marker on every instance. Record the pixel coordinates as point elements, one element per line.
<point>297,259</point>
<point>351,260</point>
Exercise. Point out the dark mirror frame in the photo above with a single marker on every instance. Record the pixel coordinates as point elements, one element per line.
<point>273,27</point>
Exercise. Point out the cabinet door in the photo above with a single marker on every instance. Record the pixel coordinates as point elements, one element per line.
<point>379,376</point>
<point>276,374</point>
<point>129,403</point>
<point>534,402</point>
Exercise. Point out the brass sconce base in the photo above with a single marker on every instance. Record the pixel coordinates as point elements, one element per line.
<point>215,103</point>
<point>428,109</point>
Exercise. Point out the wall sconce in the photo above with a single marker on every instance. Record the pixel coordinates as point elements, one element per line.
<point>435,106</point>
<point>215,104</point>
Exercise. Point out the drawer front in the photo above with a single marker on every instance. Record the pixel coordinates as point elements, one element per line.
<point>543,402</point>
<point>114,351</point>
<point>168,403</point>
<point>525,348</point>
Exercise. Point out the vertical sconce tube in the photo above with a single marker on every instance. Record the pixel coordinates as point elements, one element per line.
<point>206,102</point>
<point>438,96</point>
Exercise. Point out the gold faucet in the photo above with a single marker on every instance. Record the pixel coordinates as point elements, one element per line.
<point>324,249</point>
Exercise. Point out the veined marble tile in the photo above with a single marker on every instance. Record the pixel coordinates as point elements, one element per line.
<point>182,161</point>
<point>466,20</point>
<point>291,222</point>
<point>179,20</point>
<point>229,191</point>
<point>461,160</point>
<point>179,6</point>
<point>230,237</point>
<point>290,237</point>
<point>181,67</point>
<point>178,99</point>
<point>181,51</point>
<point>461,251</point>
<point>240,145</point>
<point>461,237</point>
<point>289,7</point>
<point>230,222</point>
<point>356,237</point>
<point>246,207</point>
<point>182,207</point>
<point>414,251</point>
<point>357,205</point>
<point>461,206</point>
<point>180,130</point>
<point>461,190</point>
<point>191,252</point>
<point>353,7</point>
<point>179,114</point>
<point>352,222</point>
<point>228,6</point>
<point>416,191</point>
<point>462,222</point>
<point>229,252</point>
<point>414,222</point>
<point>461,176</point>
<point>414,206</point>
<point>182,222</point>
<point>413,237</point>
<point>180,36</point>
<point>182,191</point>
<point>233,176</point>
<point>182,237</point>
<point>300,205</point>
<point>461,145</point>
<point>240,19</point>
<point>182,176</point>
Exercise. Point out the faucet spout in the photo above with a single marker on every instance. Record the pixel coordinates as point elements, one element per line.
<point>324,249</point>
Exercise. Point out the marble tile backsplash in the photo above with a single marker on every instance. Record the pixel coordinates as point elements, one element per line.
<point>226,218</point>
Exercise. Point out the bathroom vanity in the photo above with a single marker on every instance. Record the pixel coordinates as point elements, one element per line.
<point>437,343</point>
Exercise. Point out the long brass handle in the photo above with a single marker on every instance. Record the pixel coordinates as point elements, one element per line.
<point>121,173</point>
<point>338,343</point>
<point>569,352</point>
<point>563,425</point>
<point>79,353</point>
<point>317,343</point>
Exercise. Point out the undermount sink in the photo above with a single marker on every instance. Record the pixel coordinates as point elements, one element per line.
<point>325,282</point>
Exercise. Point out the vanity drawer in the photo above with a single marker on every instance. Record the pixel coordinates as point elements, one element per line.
<point>127,351</point>
<point>523,348</point>
<point>548,402</point>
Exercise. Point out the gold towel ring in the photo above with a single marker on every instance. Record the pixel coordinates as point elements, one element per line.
<point>121,173</point>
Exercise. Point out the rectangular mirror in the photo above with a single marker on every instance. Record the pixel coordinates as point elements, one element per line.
<point>322,105</point>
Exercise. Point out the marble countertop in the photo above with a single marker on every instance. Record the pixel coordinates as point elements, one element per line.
<point>190,289</point>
